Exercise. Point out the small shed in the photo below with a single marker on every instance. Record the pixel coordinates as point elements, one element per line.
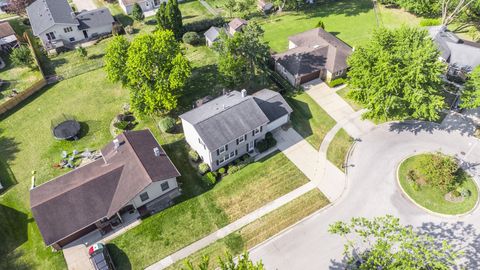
<point>8,38</point>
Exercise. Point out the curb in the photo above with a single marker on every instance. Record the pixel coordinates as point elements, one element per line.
<point>405,194</point>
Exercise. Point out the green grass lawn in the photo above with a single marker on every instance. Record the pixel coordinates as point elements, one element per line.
<point>261,229</point>
<point>353,21</point>
<point>235,196</point>
<point>338,148</point>
<point>16,77</point>
<point>309,119</point>
<point>27,145</point>
<point>343,93</point>
<point>193,11</point>
<point>431,197</point>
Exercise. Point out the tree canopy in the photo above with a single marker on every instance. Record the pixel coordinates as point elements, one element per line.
<point>115,59</point>
<point>470,98</point>
<point>155,70</point>
<point>18,7</point>
<point>383,243</point>
<point>397,75</point>
<point>169,17</point>
<point>22,56</point>
<point>137,12</point>
<point>243,55</point>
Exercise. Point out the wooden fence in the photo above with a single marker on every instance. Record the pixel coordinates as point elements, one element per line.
<point>35,87</point>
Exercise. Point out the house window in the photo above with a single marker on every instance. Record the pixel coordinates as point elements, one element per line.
<point>144,196</point>
<point>241,139</point>
<point>67,29</point>
<point>50,36</point>
<point>164,186</point>
<point>227,157</point>
<point>156,2</point>
<point>72,39</point>
<point>256,131</point>
<point>222,149</point>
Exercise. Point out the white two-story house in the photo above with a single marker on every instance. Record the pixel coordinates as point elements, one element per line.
<point>146,5</point>
<point>229,126</point>
<point>57,25</point>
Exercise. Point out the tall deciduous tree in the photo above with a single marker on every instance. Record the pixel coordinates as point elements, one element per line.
<point>137,12</point>
<point>18,7</point>
<point>471,93</point>
<point>169,17</point>
<point>115,59</point>
<point>383,243</point>
<point>397,75</point>
<point>228,263</point>
<point>156,72</point>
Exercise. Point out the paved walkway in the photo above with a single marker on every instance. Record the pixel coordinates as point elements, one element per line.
<point>84,5</point>
<point>232,227</point>
<point>209,8</point>
<point>337,108</point>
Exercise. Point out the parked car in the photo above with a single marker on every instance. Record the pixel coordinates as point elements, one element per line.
<point>100,257</point>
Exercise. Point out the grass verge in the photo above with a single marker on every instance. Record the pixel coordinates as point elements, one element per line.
<point>432,198</point>
<point>261,229</point>
<point>338,148</point>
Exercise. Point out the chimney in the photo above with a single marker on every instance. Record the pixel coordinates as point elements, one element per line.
<point>244,93</point>
<point>156,151</point>
<point>116,144</point>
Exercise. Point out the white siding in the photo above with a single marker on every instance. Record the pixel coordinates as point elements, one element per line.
<point>285,74</point>
<point>192,138</point>
<point>278,123</point>
<point>154,191</point>
<point>76,34</point>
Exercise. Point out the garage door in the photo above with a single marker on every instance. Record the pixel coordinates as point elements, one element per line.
<point>310,77</point>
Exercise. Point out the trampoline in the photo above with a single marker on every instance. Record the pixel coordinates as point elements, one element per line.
<point>65,127</point>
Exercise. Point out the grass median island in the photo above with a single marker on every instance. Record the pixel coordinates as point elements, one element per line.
<point>338,148</point>
<point>309,119</point>
<point>261,229</point>
<point>459,199</point>
<point>182,224</point>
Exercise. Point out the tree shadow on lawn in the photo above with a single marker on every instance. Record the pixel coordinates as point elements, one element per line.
<point>9,148</point>
<point>300,116</point>
<point>13,230</point>
<point>120,259</point>
<point>14,260</point>
<point>334,7</point>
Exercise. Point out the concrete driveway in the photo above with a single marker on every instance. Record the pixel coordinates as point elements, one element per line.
<point>372,191</point>
<point>84,5</point>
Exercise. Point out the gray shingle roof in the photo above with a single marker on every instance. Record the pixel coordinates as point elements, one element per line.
<point>43,14</point>
<point>225,118</point>
<point>454,50</point>
<point>213,33</point>
<point>237,23</point>
<point>95,18</point>
<point>303,60</point>
<point>272,104</point>
<point>99,189</point>
<point>338,51</point>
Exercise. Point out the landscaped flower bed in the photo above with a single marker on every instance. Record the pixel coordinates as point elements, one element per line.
<point>437,183</point>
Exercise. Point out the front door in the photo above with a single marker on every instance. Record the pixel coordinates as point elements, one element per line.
<point>85,34</point>
<point>250,146</point>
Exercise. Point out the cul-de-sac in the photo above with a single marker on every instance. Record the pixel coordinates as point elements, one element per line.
<point>239,134</point>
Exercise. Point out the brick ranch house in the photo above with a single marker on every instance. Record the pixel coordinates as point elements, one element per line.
<point>134,175</point>
<point>311,55</point>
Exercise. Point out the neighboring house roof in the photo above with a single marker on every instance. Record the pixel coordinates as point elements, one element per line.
<point>335,57</point>
<point>6,30</point>
<point>265,6</point>
<point>230,116</point>
<point>95,18</point>
<point>454,50</point>
<point>272,104</point>
<point>44,14</point>
<point>225,118</point>
<point>101,188</point>
<point>213,33</point>
<point>237,23</point>
<point>302,61</point>
<point>131,2</point>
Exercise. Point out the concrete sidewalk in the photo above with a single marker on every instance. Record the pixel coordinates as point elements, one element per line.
<point>232,227</point>
<point>337,108</point>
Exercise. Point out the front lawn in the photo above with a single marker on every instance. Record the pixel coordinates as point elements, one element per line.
<point>235,196</point>
<point>27,145</point>
<point>344,94</point>
<point>309,119</point>
<point>260,230</point>
<point>353,21</point>
<point>432,197</point>
<point>338,148</point>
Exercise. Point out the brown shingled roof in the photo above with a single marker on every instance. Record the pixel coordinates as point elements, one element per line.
<point>99,189</point>
<point>237,23</point>
<point>338,51</point>
<point>6,30</point>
